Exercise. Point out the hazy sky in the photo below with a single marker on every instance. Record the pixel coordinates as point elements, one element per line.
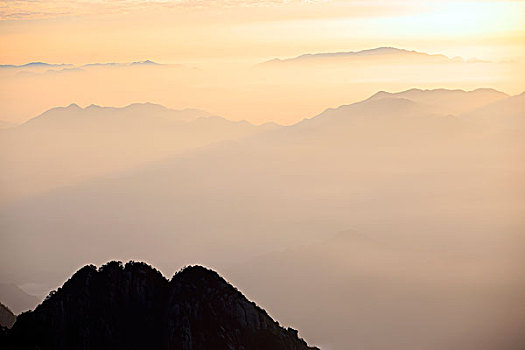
<point>431,199</point>
<point>220,41</point>
<point>82,31</point>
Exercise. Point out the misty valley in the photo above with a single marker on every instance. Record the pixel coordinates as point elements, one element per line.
<point>400,215</point>
<point>262,175</point>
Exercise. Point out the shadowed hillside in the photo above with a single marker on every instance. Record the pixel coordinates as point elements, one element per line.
<point>135,307</point>
<point>7,318</point>
<point>441,193</point>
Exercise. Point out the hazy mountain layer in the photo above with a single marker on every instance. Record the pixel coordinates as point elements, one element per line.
<point>67,145</point>
<point>283,91</point>
<point>17,299</point>
<point>434,291</point>
<point>445,101</point>
<point>135,307</point>
<point>441,194</point>
<point>381,53</point>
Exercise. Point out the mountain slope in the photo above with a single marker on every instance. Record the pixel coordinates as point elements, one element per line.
<point>135,307</point>
<point>413,113</point>
<point>67,145</point>
<point>378,167</point>
<point>510,110</point>
<point>446,101</point>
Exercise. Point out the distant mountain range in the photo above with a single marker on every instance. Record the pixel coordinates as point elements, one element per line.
<point>16,299</point>
<point>430,181</point>
<point>64,65</point>
<point>75,117</point>
<point>135,307</point>
<point>36,64</point>
<point>402,111</point>
<point>100,140</point>
<point>445,101</point>
<point>390,53</point>
<point>137,63</point>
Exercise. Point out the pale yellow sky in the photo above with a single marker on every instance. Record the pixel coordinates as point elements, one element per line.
<point>82,31</point>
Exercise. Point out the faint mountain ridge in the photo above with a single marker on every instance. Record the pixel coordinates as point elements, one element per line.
<point>64,65</point>
<point>121,64</point>
<point>36,64</point>
<point>70,144</point>
<point>432,102</point>
<point>17,299</point>
<point>145,111</point>
<point>449,92</point>
<point>446,101</point>
<point>145,115</point>
<point>135,307</point>
<point>379,52</point>
<point>95,113</point>
<point>506,114</point>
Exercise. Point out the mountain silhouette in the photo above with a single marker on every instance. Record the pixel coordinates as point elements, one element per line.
<point>135,307</point>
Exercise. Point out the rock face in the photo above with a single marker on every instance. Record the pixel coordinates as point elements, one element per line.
<point>135,307</point>
<point>7,318</point>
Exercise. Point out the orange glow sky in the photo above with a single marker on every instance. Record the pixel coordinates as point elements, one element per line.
<point>173,31</point>
<point>228,35</point>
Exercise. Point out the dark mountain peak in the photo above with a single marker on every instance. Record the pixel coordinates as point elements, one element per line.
<point>198,282</point>
<point>197,273</point>
<point>133,306</point>
<point>82,274</point>
<point>113,275</point>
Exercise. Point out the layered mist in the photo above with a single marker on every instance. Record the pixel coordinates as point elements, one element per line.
<point>391,223</point>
